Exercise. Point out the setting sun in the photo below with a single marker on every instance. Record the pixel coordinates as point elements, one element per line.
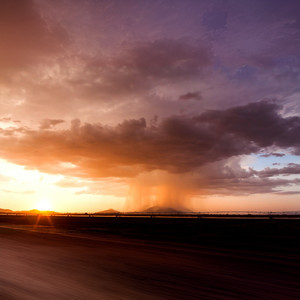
<point>44,204</point>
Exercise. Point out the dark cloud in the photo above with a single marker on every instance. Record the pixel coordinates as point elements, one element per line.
<point>228,177</point>
<point>244,186</point>
<point>49,123</point>
<point>287,193</point>
<point>291,169</point>
<point>191,96</point>
<point>272,154</point>
<point>258,122</point>
<point>176,144</point>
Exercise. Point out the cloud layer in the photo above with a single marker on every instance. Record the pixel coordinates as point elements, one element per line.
<point>176,144</point>
<point>170,91</point>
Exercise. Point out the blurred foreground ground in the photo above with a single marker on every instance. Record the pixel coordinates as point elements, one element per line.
<point>139,258</point>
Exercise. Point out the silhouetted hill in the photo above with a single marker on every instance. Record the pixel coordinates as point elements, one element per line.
<point>160,209</point>
<point>3,210</point>
<point>32,211</point>
<point>107,211</point>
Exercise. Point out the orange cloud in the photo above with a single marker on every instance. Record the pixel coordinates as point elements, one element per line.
<point>177,144</point>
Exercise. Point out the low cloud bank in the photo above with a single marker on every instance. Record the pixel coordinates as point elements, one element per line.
<point>191,153</point>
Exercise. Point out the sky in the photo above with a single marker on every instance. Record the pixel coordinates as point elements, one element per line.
<point>117,104</point>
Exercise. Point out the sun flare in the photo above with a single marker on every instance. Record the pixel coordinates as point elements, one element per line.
<point>44,204</point>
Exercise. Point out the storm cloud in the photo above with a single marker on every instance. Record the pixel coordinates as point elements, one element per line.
<point>176,144</point>
<point>198,95</point>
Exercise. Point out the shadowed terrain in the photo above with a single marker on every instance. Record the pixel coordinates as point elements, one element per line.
<point>218,259</point>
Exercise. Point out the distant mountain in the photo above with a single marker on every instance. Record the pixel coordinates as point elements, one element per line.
<point>161,209</point>
<point>107,211</point>
<point>32,211</point>
<point>2,210</point>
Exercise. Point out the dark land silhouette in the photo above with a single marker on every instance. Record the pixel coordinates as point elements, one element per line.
<point>149,257</point>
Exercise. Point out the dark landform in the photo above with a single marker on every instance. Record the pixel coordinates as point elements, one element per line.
<point>3,210</point>
<point>107,211</point>
<point>149,257</point>
<point>160,209</point>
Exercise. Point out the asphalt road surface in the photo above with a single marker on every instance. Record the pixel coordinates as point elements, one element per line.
<point>37,265</point>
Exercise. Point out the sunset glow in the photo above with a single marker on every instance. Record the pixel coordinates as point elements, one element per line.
<point>149,149</point>
<point>126,105</point>
<point>44,204</point>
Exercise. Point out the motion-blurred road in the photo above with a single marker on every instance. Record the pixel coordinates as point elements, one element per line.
<point>54,266</point>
